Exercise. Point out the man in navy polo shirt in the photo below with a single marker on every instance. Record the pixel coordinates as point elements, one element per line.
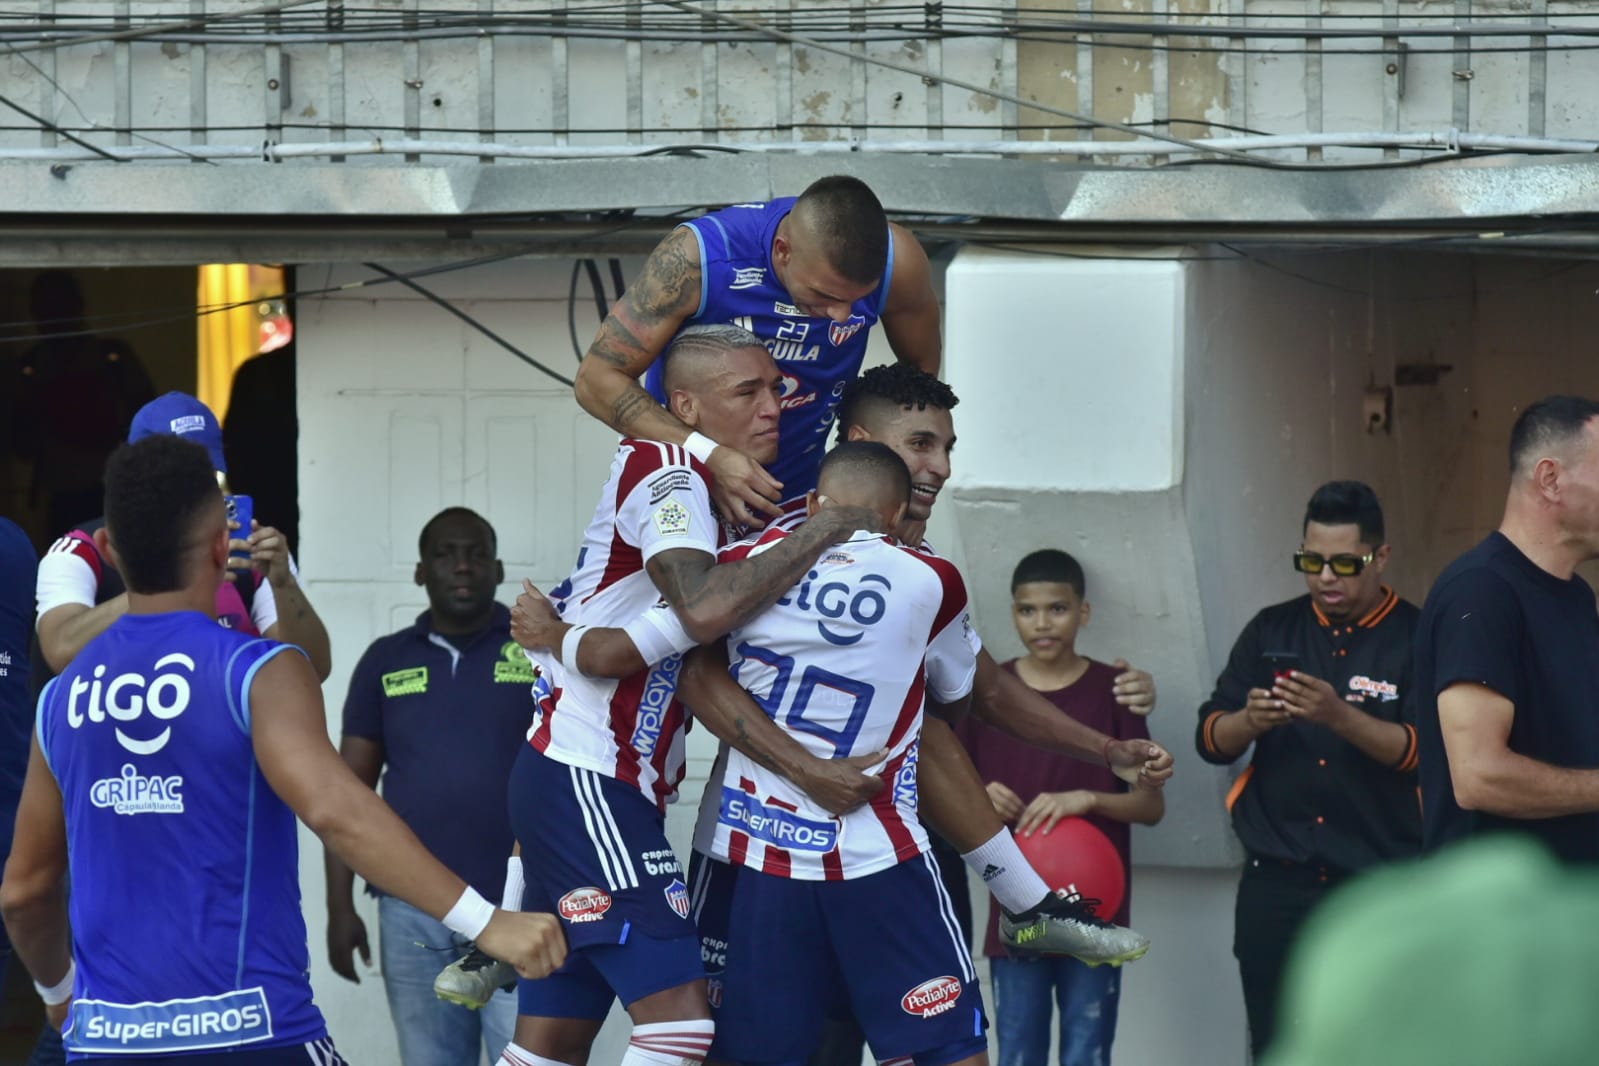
<point>444,705</point>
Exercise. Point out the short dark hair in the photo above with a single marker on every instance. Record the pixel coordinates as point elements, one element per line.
<point>1551,422</point>
<point>1053,566</point>
<point>894,385</point>
<point>155,489</point>
<point>1347,503</point>
<point>455,512</point>
<point>846,217</point>
<point>716,339</point>
<point>872,459</point>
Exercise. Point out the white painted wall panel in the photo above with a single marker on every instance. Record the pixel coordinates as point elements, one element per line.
<point>1083,356</point>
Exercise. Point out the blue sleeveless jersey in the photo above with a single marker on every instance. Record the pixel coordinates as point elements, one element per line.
<point>817,356</point>
<point>185,906</point>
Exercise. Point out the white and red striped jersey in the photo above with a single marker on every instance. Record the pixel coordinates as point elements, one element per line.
<point>843,663</point>
<point>656,499</point>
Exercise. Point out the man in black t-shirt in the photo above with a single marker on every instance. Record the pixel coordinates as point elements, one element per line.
<point>1507,653</point>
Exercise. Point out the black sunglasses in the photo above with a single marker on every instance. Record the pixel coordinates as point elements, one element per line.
<point>1342,565</point>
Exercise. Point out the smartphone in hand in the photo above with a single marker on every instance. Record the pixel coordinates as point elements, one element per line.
<point>1281,663</point>
<point>241,509</point>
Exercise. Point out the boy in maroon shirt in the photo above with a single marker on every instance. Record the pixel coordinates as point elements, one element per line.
<point>1033,789</point>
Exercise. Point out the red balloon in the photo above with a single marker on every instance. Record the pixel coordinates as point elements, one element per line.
<point>1076,855</point>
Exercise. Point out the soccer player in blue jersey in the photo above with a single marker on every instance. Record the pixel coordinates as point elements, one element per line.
<point>808,275</point>
<point>167,766</point>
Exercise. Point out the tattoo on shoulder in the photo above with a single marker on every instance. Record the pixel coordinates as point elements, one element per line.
<point>670,274</point>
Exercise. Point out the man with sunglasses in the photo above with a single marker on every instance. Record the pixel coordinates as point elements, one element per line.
<point>1321,687</point>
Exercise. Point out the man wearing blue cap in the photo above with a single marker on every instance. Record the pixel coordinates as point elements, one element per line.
<point>80,594</point>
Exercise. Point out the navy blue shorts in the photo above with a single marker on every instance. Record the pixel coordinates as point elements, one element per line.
<point>710,895</point>
<point>316,1053</point>
<point>885,947</point>
<point>594,853</point>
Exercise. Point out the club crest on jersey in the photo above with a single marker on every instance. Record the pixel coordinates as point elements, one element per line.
<point>677,897</point>
<point>671,519</point>
<point>583,905</point>
<point>748,278</point>
<point>839,332</point>
<point>131,793</point>
<point>932,998</point>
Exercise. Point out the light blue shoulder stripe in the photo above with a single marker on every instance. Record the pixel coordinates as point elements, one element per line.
<point>38,723</point>
<point>888,276</point>
<point>239,695</point>
<point>705,274</point>
<point>249,867</point>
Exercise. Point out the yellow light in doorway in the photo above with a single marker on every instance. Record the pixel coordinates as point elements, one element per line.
<point>240,316</point>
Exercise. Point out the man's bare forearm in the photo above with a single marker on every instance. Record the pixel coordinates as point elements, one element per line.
<point>39,933</point>
<point>300,625</point>
<point>713,600</point>
<point>732,715</point>
<point>66,630</point>
<point>1005,702</point>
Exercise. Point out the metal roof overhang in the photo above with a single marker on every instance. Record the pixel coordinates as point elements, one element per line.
<point>112,214</point>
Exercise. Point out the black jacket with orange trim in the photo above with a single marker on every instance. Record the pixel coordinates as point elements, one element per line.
<point>1309,796</point>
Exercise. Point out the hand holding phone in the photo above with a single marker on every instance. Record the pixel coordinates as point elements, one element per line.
<point>1281,664</point>
<point>241,509</point>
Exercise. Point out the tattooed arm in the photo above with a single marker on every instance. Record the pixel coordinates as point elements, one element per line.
<point>633,335</point>
<point>838,785</point>
<point>714,599</point>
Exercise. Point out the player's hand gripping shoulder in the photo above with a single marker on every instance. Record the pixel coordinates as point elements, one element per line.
<point>1134,689</point>
<point>1140,763</point>
<point>530,941</point>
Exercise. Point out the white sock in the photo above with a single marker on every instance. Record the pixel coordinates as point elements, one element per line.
<point>1007,873</point>
<point>520,1056</point>
<point>511,898</point>
<point>670,1043</point>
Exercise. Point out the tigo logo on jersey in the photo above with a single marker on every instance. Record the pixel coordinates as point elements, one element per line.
<point>584,905</point>
<point>791,398</point>
<point>748,278</point>
<point>659,689</point>
<point>677,897</point>
<point>835,599</point>
<point>773,825</point>
<point>839,332</point>
<point>166,696</point>
<point>132,794</point>
<point>931,998</point>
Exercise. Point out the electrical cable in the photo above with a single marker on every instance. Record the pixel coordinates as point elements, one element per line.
<point>469,320</point>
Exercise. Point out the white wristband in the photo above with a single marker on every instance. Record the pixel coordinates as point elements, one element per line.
<point>470,915</point>
<point>699,446</point>
<point>58,993</point>
<point>569,643</point>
